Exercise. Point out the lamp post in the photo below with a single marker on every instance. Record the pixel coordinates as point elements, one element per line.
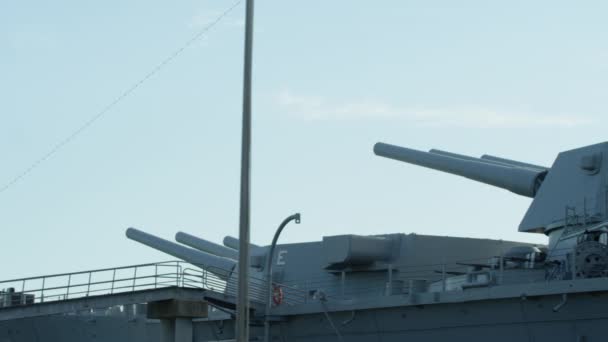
<point>242,307</point>
<point>268,269</point>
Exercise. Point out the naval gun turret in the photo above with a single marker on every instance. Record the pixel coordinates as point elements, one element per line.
<point>220,261</point>
<point>221,266</point>
<point>521,180</point>
<point>569,199</point>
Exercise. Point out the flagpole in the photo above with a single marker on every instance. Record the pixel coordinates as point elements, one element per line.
<point>242,307</point>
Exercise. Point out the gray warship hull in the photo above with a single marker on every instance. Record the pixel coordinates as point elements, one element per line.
<point>394,287</point>
<point>527,318</point>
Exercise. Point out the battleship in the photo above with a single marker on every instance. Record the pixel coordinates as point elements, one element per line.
<point>393,287</point>
<point>381,287</point>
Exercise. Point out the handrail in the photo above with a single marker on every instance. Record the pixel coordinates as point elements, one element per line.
<point>90,271</point>
<point>125,279</point>
<point>64,286</point>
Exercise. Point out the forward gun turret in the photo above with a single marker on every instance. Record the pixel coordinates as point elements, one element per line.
<point>574,187</point>
<point>520,180</point>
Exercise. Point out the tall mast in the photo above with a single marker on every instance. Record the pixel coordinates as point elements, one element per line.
<point>242,307</point>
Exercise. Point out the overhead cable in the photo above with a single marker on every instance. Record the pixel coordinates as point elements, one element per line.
<point>117,100</point>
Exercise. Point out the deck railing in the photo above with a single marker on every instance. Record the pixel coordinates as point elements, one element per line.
<point>394,279</point>
<point>108,281</point>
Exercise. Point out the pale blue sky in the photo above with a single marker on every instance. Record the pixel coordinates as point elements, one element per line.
<point>518,79</point>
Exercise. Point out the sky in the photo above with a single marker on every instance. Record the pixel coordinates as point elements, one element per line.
<point>518,79</point>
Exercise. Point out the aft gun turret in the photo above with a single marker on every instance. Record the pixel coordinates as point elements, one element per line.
<point>220,266</point>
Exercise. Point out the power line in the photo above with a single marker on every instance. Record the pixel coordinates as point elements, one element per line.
<point>117,100</point>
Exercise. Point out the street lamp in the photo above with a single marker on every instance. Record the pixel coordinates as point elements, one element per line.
<point>268,269</point>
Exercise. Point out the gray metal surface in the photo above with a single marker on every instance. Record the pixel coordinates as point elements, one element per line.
<point>569,184</point>
<point>101,301</point>
<point>582,318</point>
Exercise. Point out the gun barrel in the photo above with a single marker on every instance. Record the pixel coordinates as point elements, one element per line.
<point>522,181</point>
<point>206,246</point>
<point>513,162</point>
<point>222,267</point>
<point>469,158</point>
<point>232,242</point>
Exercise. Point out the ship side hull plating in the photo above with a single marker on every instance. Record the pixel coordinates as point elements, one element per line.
<point>582,317</point>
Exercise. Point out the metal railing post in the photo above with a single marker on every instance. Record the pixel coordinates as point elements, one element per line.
<point>67,292</point>
<point>42,294</point>
<point>113,280</point>
<point>155,275</point>
<point>177,274</point>
<point>89,284</point>
<point>134,278</point>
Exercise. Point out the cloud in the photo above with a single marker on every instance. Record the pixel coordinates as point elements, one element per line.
<point>307,107</point>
